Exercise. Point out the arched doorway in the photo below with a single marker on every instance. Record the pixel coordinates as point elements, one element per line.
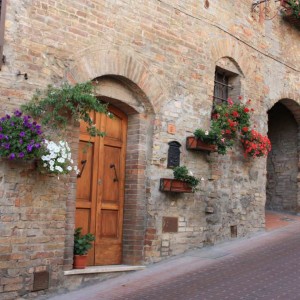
<point>123,160</point>
<point>282,162</point>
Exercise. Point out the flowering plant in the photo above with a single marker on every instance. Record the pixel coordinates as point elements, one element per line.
<point>20,137</point>
<point>228,119</point>
<point>294,5</point>
<point>255,144</point>
<point>57,158</point>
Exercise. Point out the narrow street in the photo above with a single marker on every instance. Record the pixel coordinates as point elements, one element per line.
<point>266,266</point>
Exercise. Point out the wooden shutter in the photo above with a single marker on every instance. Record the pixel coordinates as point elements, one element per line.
<point>221,87</point>
<point>2,28</point>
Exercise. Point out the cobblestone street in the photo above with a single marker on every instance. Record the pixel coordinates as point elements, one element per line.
<point>266,266</point>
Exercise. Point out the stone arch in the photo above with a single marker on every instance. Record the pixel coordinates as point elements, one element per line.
<point>282,191</point>
<point>234,51</point>
<point>97,63</point>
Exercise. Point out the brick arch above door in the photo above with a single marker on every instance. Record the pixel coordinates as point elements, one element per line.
<point>97,63</point>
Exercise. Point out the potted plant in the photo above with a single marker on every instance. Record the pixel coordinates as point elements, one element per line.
<point>82,244</point>
<point>202,141</point>
<point>56,105</point>
<point>183,182</point>
<point>231,121</point>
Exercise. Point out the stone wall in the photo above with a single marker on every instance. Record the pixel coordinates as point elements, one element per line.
<point>165,54</point>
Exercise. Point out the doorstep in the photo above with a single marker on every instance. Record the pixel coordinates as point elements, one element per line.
<point>104,269</point>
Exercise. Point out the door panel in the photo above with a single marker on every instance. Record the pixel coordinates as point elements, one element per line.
<point>100,189</point>
<point>111,174</point>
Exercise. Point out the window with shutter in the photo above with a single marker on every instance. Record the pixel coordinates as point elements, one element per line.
<point>2,25</point>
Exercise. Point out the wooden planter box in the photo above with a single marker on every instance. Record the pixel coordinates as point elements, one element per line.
<point>288,14</point>
<point>174,185</point>
<point>192,143</point>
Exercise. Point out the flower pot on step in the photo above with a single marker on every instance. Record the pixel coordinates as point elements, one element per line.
<point>80,261</point>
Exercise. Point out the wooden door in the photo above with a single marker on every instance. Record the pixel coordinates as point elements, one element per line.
<point>100,189</point>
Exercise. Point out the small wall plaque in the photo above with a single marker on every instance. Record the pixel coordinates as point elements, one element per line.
<point>171,129</point>
<point>169,224</point>
<point>40,281</point>
<point>174,154</point>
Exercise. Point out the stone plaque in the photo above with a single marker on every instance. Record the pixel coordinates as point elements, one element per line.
<point>174,154</point>
<point>40,281</point>
<point>169,224</point>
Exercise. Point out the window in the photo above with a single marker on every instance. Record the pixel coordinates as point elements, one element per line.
<point>226,85</point>
<point>2,25</point>
<point>221,87</point>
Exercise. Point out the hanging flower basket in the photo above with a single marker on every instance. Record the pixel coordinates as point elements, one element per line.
<point>175,186</point>
<point>194,144</point>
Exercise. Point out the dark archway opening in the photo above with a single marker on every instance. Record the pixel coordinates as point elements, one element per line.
<point>282,163</point>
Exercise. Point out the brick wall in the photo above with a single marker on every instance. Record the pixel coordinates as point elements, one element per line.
<point>164,55</point>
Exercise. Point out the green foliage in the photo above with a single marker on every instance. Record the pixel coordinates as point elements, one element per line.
<point>55,106</point>
<point>295,6</point>
<point>182,173</point>
<point>82,243</point>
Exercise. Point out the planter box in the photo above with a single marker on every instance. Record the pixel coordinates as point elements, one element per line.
<point>288,14</point>
<point>192,143</point>
<point>174,185</point>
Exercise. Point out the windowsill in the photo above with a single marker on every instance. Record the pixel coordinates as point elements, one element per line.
<point>103,269</point>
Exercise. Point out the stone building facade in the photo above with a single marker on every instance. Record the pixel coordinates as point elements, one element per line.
<point>155,61</point>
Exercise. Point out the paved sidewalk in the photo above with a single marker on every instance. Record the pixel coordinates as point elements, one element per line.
<point>266,266</point>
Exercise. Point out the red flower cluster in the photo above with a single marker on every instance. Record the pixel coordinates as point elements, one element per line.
<point>255,144</point>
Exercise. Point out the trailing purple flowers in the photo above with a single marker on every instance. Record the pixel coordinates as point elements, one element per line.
<point>20,137</point>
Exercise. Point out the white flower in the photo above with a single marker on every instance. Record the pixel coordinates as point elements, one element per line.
<point>61,160</point>
<point>206,132</point>
<point>59,169</point>
<point>44,165</point>
<point>69,168</point>
<point>190,173</point>
<point>51,162</point>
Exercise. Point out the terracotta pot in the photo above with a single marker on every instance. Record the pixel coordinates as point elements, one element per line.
<point>192,143</point>
<point>80,261</point>
<point>174,185</point>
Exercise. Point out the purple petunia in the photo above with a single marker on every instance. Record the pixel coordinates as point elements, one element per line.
<point>12,156</point>
<point>1,136</point>
<point>1,128</point>
<point>37,145</point>
<point>18,113</point>
<point>21,141</point>
<point>7,117</point>
<point>21,155</point>
<point>6,145</point>
<point>29,147</point>
<point>22,134</point>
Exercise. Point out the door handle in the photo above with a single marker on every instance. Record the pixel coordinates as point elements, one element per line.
<point>83,163</point>
<point>116,176</point>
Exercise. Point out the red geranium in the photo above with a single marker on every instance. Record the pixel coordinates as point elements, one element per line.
<point>255,144</point>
